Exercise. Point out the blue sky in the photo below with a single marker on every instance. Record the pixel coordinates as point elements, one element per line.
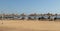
<point>30,6</point>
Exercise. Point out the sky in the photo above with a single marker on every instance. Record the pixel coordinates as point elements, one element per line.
<point>30,6</point>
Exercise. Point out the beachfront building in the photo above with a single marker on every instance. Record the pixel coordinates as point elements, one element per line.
<point>34,16</point>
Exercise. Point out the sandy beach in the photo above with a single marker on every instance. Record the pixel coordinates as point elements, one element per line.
<point>19,25</point>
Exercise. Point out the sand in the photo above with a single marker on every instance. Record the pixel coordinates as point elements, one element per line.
<point>20,25</point>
